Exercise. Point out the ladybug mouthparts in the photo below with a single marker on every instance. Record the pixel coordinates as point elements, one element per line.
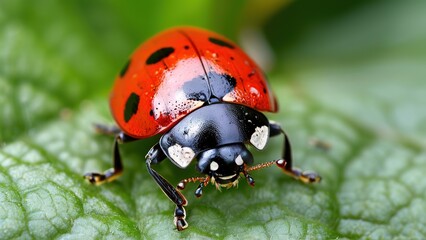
<point>225,181</point>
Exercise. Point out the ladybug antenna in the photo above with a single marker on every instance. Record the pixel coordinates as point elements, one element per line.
<point>199,191</point>
<point>281,163</point>
<point>250,180</point>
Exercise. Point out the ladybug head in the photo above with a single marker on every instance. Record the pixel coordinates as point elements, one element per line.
<point>224,163</point>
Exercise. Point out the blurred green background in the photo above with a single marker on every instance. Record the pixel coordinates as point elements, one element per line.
<point>351,73</point>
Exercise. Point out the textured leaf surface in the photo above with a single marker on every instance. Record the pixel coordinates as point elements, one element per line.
<point>351,75</point>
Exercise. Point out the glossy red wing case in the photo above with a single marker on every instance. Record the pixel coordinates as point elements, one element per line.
<point>180,70</point>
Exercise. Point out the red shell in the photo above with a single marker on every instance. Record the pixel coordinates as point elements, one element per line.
<point>151,93</point>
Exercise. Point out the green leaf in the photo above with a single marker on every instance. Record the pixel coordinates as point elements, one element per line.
<point>349,74</point>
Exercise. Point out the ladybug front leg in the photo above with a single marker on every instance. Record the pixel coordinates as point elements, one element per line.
<point>304,176</point>
<point>156,155</point>
<point>117,169</point>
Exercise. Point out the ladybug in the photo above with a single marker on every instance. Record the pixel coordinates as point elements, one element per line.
<point>206,97</point>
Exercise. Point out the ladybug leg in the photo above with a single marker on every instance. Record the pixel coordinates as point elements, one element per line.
<point>117,169</point>
<point>304,176</point>
<point>155,155</point>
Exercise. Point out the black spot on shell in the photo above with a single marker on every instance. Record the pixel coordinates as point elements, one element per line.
<point>159,55</point>
<point>220,42</point>
<point>197,89</point>
<point>151,113</point>
<point>222,84</point>
<point>125,68</point>
<point>251,74</point>
<point>186,47</point>
<point>131,107</point>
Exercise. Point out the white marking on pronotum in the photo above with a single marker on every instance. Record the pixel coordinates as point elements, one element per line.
<point>181,155</point>
<point>239,160</point>
<point>260,137</point>
<point>214,166</point>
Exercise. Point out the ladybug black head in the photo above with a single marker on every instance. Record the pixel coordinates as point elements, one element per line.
<point>224,163</point>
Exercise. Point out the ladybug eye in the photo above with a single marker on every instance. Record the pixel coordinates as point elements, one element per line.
<point>214,166</point>
<point>239,160</point>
